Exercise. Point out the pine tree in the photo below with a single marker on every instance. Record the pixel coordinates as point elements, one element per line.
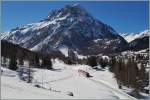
<point>20,56</point>
<point>126,72</point>
<point>49,63</point>
<point>112,64</point>
<point>122,71</point>
<point>46,62</point>
<point>142,76</point>
<point>117,73</point>
<point>91,61</point>
<point>142,71</point>
<point>134,78</point>
<point>72,56</point>
<point>21,61</point>
<point>31,64</point>
<point>103,62</point>
<point>68,61</point>
<point>37,62</point>
<point>13,62</point>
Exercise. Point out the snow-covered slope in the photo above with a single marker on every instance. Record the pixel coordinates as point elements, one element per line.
<point>132,36</point>
<point>4,35</point>
<point>63,50</point>
<point>58,83</point>
<point>13,88</point>
<point>71,26</point>
<point>137,41</point>
<point>140,43</point>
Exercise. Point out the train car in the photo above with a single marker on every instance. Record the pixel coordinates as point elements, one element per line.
<point>83,73</point>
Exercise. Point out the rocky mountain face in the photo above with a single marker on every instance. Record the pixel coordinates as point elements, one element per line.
<point>137,41</point>
<point>72,27</point>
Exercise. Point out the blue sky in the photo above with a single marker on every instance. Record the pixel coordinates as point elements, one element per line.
<point>124,17</point>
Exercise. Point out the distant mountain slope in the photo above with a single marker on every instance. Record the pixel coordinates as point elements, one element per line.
<point>132,36</point>
<point>72,27</point>
<point>138,41</point>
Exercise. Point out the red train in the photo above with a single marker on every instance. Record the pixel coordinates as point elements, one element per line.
<point>83,73</point>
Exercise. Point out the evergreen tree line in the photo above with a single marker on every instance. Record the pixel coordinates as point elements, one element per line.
<point>14,52</point>
<point>94,61</point>
<point>128,74</point>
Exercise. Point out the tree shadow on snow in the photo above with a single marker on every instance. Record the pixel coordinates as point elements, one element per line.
<point>140,96</point>
<point>57,70</point>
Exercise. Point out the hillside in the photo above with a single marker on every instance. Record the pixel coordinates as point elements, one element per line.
<point>52,84</point>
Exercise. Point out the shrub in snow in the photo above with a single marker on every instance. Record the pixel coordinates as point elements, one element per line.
<point>37,85</point>
<point>69,93</point>
<point>1,71</point>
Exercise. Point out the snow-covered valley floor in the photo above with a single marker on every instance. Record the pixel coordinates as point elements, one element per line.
<point>58,83</point>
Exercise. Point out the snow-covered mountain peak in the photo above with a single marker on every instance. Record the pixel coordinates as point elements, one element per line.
<point>71,26</point>
<point>132,36</point>
<point>76,4</point>
<point>3,35</point>
<point>75,10</point>
<point>145,33</point>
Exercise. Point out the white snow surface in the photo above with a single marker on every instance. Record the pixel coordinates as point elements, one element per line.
<point>97,40</point>
<point>105,57</point>
<point>39,25</point>
<point>79,55</point>
<point>64,50</point>
<point>58,83</point>
<point>3,35</point>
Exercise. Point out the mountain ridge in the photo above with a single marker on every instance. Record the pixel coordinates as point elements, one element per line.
<point>71,26</point>
<point>132,36</point>
<point>138,41</point>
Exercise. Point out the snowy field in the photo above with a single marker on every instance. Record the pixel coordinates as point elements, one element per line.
<point>57,84</point>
